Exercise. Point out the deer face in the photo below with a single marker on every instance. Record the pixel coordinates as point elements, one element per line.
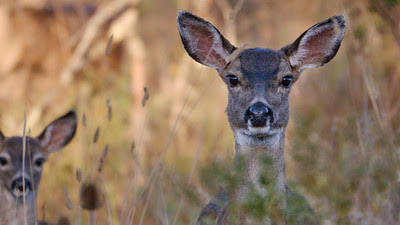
<point>18,175</point>
<point>258,82</point>
<point>259,79</point>
<point>11,171</point>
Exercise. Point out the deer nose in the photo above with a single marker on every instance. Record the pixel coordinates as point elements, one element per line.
<point>17,186</point>
<point>258,114</point>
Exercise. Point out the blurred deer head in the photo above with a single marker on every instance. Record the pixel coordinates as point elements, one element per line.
<point>19,175</point>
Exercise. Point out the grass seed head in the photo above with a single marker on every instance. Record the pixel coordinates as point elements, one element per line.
<point>102,159</point>
<point>68,202</point>
<point>79,175</point>
<point>90,195</point>
<point>109,109</point>
<point>96,135</point>
<point>109,43</point>
<point>132,147</point>
<point>84,119</point>
<point>145,96</point>
<point>63,221</point>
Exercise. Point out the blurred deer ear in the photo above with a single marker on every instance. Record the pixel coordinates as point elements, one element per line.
<point>58,133</point>
<point>317,45</point>
<point>203,42</point>
<point>1,136</point>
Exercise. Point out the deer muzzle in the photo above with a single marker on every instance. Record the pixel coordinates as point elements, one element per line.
<point>258,114</point>
<point>19,185</point>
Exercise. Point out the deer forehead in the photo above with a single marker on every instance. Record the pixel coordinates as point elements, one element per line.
<point>260,64</point>
<point>14,147</point>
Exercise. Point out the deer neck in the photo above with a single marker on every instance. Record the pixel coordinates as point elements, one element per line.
<point>253,155</point>
<point>12,211</point>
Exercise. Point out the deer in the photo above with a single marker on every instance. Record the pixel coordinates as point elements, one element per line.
<point>259,81</point>
<point>20,177</point>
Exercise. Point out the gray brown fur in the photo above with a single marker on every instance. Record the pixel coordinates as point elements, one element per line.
<point>53,138</point>
<point>260,72</point>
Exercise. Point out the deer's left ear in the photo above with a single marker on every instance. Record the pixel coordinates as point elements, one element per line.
<point>317,45</point>
<point>58,133</point>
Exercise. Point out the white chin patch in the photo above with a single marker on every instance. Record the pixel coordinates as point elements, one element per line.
<point>17,193</point>
<point>259,131</point>
<point>257,136</point>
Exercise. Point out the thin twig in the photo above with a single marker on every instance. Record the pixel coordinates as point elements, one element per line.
<point>131,214</point>
<point>189,181</point>
<point>133,176</point>
<point>109,43</point>
<point>68,202</point>
<point>172,134</point>
<point>178,211</point>
<point>110,221</point>
<point>236,9</point>
<point>147,200</point>
<point>163,203</point>
<point>92,217</point>
<point>31,172</point>
<point>23,167</point>
<point>386,15</point>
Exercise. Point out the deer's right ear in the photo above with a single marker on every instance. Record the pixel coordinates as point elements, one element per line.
<point>203,42</point>
<point>58,133</point>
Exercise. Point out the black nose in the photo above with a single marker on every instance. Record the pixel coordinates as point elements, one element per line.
<point>258,114</point>
<point>18,185</point>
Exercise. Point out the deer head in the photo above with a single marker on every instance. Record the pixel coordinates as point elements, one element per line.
<point>14,180</point>
<point>259,80</point>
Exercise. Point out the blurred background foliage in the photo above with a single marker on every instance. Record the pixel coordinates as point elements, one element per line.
<point>343,139</point>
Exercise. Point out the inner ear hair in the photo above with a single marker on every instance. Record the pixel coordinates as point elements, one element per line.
<point>203,42</point>
<point>317,45</point>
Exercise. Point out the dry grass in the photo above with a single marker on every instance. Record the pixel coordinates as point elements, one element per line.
<point>343,139</point>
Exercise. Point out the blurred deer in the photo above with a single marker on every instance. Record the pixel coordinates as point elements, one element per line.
<point>259,81</point>
<point>20,178</point>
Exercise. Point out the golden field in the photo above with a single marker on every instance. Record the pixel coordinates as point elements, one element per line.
<point>343,139</point>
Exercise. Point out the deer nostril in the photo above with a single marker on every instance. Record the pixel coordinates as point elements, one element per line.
<point>258,114</point>
<point>18,185</point>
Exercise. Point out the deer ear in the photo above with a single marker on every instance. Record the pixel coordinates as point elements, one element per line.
<point>1,136</point>
<point>317,45</point>
<point>203,42</point>
<point>58,133</point>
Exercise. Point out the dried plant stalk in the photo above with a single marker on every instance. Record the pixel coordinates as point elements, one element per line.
<point>102,158</point>
<point>145,96</point>
<point>109,43</point>
<point>84,119</point>
<point>96,135</point>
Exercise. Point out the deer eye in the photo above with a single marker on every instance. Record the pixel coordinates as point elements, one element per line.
<point>233,80</point>
<point>39,162</point>
<point>286,81</point>
<point>3,161</point>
